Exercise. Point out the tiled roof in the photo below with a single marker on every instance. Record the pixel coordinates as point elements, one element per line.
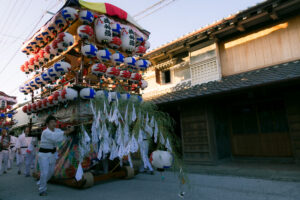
<point>257,77</point>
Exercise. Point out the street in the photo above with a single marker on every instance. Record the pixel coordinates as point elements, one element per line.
<point>148,187</point>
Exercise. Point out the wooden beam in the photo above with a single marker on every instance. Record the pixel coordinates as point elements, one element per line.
<point>273,15</point>
<point>240,27</point>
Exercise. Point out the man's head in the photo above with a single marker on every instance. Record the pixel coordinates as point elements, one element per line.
<point>26,130</point>
<point>51,122</point>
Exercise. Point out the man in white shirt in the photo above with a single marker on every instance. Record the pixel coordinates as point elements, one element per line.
<point>4,145</point>
<point>22,145</point>
<point>12,150</point>
<point>46,157</point>
<point>30,155</point>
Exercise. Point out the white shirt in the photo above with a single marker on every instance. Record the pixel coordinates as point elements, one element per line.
<point>13,141</point>
<point>22,142</point>
<point>33,144</point>
<point>50,138</point>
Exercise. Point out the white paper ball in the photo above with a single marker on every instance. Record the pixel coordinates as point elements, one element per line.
<point>103,30</point>
<point>100,94</point>
<point>89,50</point>
<point>104,55</point>
<point>99,69</point>
<point>143,64</point>
<point>85,32</point>
<point>112,72</point>
<point>86,16</point>
<point>62,67</point>
<point>125,96</point>
<point>144,84</point>
<point>69,14</point>
<point>71,94</point>
<point>136,77</point>
<point>45,77</point>
<point>128,45</point>
<point>161,159</point>
<point>52,73</point>
<point>87,93</point>
<point>117,58</point>
<point>130,61</point>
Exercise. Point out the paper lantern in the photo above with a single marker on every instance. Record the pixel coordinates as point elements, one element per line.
<point>40,40</point>
<point>33,107</point>
<point>146,44</point>
<point>64,40</point>
<point>99,69</point>
<point>104,55</point>
<point>50,102</point>
<point>116,29</point>
<point>136,77</point>
<point>29,107</point>
<point>53,75</point>
<point>9,115</point>
<point>112,72</point>
<point>31,64</point>
<point>3,104</point>
<point>117,58</point>
<point>100,94</point>
<point>2,115</point>
<point>113,95</point>
<point>45,103</point>
<point>33,84</point>
<point>125,74</point>
<point>125,96</point>
<point>130,61</point>
<point>55,97</point>
<point>41,57</point>
<point>86,16</point>
<point>62,67</point>
<point>87,93</point>
<point>24,109</point>
<point>22,68</point>
<point>71,94</point>
<point>115,43</point>
<point>22,90</point>
<point>69,14</point>
<point>128,40</point>
<point>45,77</point>
<point>52,29</point>
<point>28,87</point>
<point>85,32</point>
<point>140,50</point>
<point>38,81</point>
<point>103,30</point>
<point>62,95</point>
<point>143,64</point>
<point>60,23</point>
<point>89,50</point>
<point>26,69</point>
<point>52,48</point>
<point>39,105</point>
<point>143,84</point>
<point>161,159</point>
<point>36,62</point>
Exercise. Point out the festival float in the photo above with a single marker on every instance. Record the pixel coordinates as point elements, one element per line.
<point>6,111</point>
<point>86,68</point>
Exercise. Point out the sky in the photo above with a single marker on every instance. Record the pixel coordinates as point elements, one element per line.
<point>20,19</point>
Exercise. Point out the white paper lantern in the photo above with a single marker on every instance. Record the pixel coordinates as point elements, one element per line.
<point>45,103</point>
<point>52,73</point>
<point>112,72</point>
<point>117,58</point>
<point>89,50</point>
<point>33,85</point>
<point>143,84</point>
<point>38,81</point>
<point>130,61</point>
<point>115,43</point>
<point>85,32</point>
<point>125,74</point>
<point>86,16</point>
<point>62,96</point>
<point>116,28</point>
<point>128,40</point>
<point>161,159</point>
<point>125,96</point>
<point>136,77</point>
<point>22,89</point>
<point>60,23</point>
<point>104,55</point>
<point>99,69</point>
<point>143,64</point>
<point>39,105</point>
<point>71,94</point>
<point>65,40</point>
<point>103,30</point>
<point>62,67</point>
<point>28,87</point>
<point>147,44</point>
<point>69,14</point>
<point>100,94</point>
<point>87,93</point>
<point>140,50</point>
<point>45,77</point>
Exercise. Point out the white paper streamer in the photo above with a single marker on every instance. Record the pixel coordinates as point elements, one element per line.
<point>133,117</point>
<point>168,146</point>
<point>155,132</point>
<point>161,138</point>
<point>79,173</point>
<point>152,122</point>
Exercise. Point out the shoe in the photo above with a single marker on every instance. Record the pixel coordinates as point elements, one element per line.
<point>27,175</point>
<point>43,194</point>
<point>152,172</point>
<point>4,172</point>
<point>19,172</point>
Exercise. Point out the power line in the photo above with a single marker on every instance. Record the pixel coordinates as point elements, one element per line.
<point>149,8</point>
<point>164,5</point>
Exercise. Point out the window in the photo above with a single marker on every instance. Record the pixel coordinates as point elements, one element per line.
<point>166,76</point>
<point>244,120</point>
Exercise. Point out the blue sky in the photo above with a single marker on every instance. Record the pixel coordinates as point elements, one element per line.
<point>19,19</point>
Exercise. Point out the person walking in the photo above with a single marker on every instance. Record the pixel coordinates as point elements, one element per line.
<point>12,150</point>
<point>22,145</point>
<point>46,156</point>
<point>4,143</point>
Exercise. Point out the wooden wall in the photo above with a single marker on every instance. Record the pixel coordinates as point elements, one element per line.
<point>196,137</point>
<point>293,113</point>
<point>270,46</point>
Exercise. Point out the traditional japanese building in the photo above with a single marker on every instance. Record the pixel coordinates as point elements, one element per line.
<point>233,86</point>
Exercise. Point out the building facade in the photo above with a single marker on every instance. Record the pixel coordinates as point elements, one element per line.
<point>233,86</point>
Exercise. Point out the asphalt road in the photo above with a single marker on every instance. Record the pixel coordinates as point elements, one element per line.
<point>153,187</point>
